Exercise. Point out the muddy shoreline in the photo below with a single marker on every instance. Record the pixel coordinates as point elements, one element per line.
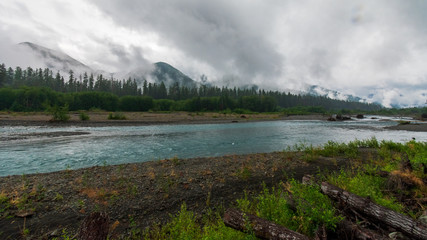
<point>100,119</point>
<point>413,127</point>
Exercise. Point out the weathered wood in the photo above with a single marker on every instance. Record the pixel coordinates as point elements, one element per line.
<point>321,233</point>
<point>400,222</point>
<point>308,179</point>
<point>260,227</point>
<point>349,230</point>
<point>94,227</point>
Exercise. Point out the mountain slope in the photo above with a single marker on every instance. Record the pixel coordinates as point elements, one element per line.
<point>164,72</point>
<point>161,72</point>
<point>55,60</point>
<point>59,61</point>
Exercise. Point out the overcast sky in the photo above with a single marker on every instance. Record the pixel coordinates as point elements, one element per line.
<point>356,47</point>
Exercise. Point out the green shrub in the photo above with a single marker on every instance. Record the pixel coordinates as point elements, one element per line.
<point>310,153</point>
<point>244,173</point>
<point>84,117</point>
<point>273,206</point>
<point>183,225</point>
<point>4,204</point>
<point>313,209</point>
<point>416,151</point>
<point>392,146</point>
<point>116,116</point>
<point>368,143</point>
<point>244,204</point>
<point>59,113</point>
<point>333,149</point>
<point>216,230</point>
<point>365,186</point>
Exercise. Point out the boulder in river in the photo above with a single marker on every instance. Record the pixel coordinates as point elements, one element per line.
<point>339,117</point>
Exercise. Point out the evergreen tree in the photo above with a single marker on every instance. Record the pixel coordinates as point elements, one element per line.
<point>58,84</point>
<point>85,81</point>
<point>10,76</point>
<point>29,73</point>
<point>2,75</point>
<point>91,82</point>
<point>145,88</point>
<point>17,79</point>
<point>47,78</point>
<point>162,93</point>
<point>71,87</point>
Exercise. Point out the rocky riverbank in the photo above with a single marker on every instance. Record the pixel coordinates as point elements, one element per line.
<point>141,194</point>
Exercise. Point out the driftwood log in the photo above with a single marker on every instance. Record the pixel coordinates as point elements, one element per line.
<point>260,227</point>
<point>400,222</point>
<point>350,230</point>
<point>94,227</point>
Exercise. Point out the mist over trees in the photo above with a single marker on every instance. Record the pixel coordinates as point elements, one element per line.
<point>35,89</point>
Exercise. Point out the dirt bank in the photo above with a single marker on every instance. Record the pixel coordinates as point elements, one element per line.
<point>414,127</point>
<point>141,194</point>
<point>100,119</point>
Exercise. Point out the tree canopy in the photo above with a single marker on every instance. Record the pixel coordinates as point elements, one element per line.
<point>33,89</point>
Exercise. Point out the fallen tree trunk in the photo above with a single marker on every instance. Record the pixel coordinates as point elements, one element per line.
<point>400,222</point>
<point>349,230</point>
<point>260,227</point>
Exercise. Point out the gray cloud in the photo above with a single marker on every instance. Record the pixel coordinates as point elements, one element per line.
<point>12,55</point>
<point>229,37</point>
<point>358,47</point>
<point>128,59</point>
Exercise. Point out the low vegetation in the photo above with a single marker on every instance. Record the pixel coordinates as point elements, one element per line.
<point>303,208</point>
<point>116,116</point>
<point>84,117</point>
<point>59,114</point>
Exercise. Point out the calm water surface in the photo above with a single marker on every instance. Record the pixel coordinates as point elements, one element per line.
<point>115,145</point>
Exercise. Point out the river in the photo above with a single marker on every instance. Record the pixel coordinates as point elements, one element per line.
<point>25,150</point>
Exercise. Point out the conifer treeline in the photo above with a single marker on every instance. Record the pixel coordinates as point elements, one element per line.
<point>228,97</point>
<point>46,78</point>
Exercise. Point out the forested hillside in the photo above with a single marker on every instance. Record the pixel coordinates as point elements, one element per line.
<point>36,89</point>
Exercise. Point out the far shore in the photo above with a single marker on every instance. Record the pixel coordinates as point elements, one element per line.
<point>100,119</point>
<point>413,127</point>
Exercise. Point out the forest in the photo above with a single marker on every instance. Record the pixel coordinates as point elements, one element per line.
<point>37,89</point>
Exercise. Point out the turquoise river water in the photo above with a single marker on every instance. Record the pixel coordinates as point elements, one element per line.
<point>25,150</point>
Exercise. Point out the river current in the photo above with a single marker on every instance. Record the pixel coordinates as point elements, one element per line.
<point>25,150</point>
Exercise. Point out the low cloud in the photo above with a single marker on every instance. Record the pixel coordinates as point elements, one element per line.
<point>352,47</point>
<point>228,37</point>
<point>13,55</point>
<point>360,47</point>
